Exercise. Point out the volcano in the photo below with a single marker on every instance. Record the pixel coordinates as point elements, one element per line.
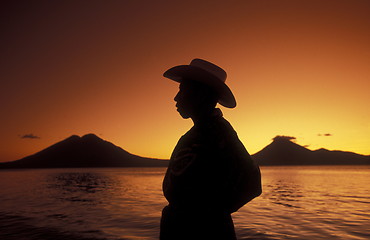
<point>282,151</point>
<point>86,151</point>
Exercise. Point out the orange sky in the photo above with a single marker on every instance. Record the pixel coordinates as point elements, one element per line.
<point>297,68</point>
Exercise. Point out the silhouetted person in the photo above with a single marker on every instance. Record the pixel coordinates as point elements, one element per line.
<point>210,174</point>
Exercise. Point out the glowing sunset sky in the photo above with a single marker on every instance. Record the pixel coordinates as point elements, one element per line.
<point>297,68</point>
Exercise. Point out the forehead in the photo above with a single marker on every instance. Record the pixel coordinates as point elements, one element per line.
<point>191,85</point>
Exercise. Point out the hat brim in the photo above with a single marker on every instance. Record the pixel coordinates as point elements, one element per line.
<point>179,73</point>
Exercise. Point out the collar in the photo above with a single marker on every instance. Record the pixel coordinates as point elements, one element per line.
<point>216,114</point>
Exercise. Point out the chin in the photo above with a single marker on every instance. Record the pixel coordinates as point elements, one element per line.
<point>184,115</point>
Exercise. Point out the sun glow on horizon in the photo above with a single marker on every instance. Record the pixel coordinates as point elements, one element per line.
<point>296,68</point>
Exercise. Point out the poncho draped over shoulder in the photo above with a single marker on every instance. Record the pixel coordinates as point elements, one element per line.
<point>210,170</point>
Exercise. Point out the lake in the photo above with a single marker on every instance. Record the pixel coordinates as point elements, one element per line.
<point>315,202</point>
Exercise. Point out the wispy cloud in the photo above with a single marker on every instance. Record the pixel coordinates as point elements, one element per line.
<point>29,136</point>
<point>286,138</point>
<point>325,135</point>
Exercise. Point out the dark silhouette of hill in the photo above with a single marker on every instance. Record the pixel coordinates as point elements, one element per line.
<point>86,151</point>
<point>282,151</point>
<point>92,151</point>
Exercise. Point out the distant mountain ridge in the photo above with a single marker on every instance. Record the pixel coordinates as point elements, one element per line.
<point>282,151</point>
<point>86,151</point>
<point>92,151</point>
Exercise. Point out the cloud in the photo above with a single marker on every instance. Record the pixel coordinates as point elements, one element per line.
<point>325,135</point>
<point>29,136</point>
<point>284,138</point>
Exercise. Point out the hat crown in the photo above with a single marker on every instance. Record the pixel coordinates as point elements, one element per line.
<point>211,68</point>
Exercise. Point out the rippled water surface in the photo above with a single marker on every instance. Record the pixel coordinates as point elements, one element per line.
<point>317,202</point>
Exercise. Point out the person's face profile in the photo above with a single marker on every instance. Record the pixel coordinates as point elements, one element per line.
<point>193,98</point>
<point>186,99</point>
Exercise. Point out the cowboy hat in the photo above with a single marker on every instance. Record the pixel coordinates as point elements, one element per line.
<point>207,73</point>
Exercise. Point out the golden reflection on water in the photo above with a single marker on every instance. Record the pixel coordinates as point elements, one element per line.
<point>318,202</point>
<point>313,202</point>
